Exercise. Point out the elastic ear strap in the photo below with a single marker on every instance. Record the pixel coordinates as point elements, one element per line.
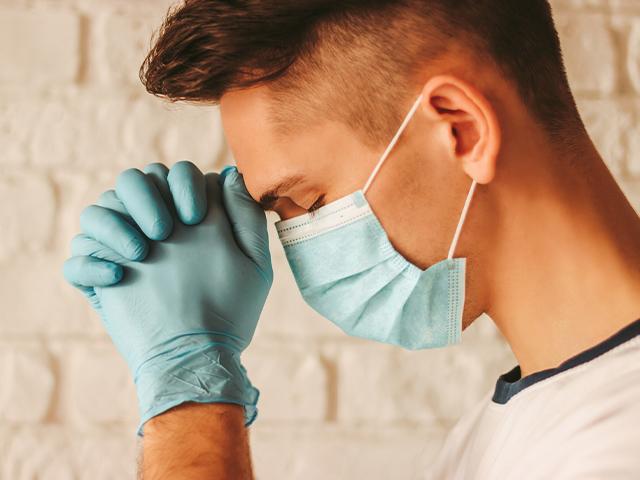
<point>463,217</point>
<point>392,144</point>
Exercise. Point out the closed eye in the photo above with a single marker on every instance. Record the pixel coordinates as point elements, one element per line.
<point>317,204</point>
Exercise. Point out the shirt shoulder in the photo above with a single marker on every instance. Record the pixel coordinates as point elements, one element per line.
<point>579,422</point>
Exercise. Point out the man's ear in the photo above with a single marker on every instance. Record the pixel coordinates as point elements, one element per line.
<point>472,124</point>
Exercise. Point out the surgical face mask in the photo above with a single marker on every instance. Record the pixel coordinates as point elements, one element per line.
<point>348,271</point>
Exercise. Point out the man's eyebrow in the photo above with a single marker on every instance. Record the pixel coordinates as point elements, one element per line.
<point>271,195</point>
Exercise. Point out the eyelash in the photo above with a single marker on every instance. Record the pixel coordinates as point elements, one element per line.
<point>317,204</point>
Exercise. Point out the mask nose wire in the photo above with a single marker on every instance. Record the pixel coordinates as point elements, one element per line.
<point>392,144</point>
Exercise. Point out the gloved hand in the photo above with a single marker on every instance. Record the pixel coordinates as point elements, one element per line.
<point>120,231</point>
<point>182,316</point>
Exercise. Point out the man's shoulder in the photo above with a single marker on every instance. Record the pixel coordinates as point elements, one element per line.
<point>578,419</point>
<point>603,390</point>
<point>587,416</point>
<point>610,378</point>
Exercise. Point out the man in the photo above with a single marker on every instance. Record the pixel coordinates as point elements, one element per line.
<point>375,129</point>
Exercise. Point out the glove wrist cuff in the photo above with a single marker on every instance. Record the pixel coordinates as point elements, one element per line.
<point>194,372</point>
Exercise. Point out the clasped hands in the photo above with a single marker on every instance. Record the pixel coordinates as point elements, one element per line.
<point>177,264</point>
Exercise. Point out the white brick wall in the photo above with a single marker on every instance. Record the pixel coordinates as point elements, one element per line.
<point>72,115</point>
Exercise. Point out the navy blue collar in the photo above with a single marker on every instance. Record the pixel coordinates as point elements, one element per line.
<point>511,382</point>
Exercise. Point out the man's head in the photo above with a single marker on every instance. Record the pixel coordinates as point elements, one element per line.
<point>312,91</point>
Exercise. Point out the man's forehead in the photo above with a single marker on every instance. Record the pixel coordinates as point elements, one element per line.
<point>274,165</point>
<point>245,121</point>
<point>250,138</point>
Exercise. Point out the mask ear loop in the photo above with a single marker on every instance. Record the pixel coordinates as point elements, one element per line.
<point>392,144</point>
<point>463,217</point>
<point>384,157</point>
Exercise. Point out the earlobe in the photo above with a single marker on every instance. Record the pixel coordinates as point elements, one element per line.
<point>472,123</point>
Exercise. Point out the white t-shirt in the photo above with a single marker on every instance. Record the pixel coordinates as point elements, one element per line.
<point>579,421</point>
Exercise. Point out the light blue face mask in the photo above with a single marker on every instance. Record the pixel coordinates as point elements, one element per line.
<point>348,271</point>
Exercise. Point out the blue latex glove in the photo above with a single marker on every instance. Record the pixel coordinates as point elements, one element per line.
<point>114,228</point>
<point>182,316</point>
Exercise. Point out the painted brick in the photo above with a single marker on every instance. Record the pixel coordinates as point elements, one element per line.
<point>631,188</point>
<point>105,455</point>
<point>292,382</point>
<point>36,300</point>
<point>121,45</point>
<point>630,6</point>
<point>27,209</point>
<point>132,132</point>
<point>26,383</point>
<point>341,453</point>
<point>39,453</point>
<point>158,131</point>
<point>633,55</point>
<point>57,453</point>
<point>378,383</point>
<point>608,122</point>
<point>14,137</point>
<point>591,64</point>
<point>38,46</point>
<point>633,145</point>
<point>100,387</point>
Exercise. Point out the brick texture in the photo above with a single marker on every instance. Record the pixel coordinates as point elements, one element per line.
<point>39,46</point>
<point>73,114</point>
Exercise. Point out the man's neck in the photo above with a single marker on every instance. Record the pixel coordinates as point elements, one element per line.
<point>565,267</point>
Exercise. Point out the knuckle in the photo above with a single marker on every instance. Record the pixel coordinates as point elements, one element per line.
<point>107,196</point>
<point>156,167</point>
<point>77,241</point>
<point>70,269</point>
<point>159,230</point>
<point>184,164</point>
<point>191,216</point>
<point>88,213</point>
<point>183,171</point>
<point>127,176</point>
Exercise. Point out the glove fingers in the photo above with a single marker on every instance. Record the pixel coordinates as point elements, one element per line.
<point>112,230</point>
<point>85,246</point>
<point>158,173</point>
<point>144,203</point>
<point>248,220</point>
<point>87,272</point>
<point>109,199</point>
<point>187,186</point>
<point>90,293</point>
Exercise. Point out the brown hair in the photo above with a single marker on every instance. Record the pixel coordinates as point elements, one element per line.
<point>364,50</point>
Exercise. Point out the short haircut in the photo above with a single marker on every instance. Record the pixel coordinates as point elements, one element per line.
<point>354,61</point>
